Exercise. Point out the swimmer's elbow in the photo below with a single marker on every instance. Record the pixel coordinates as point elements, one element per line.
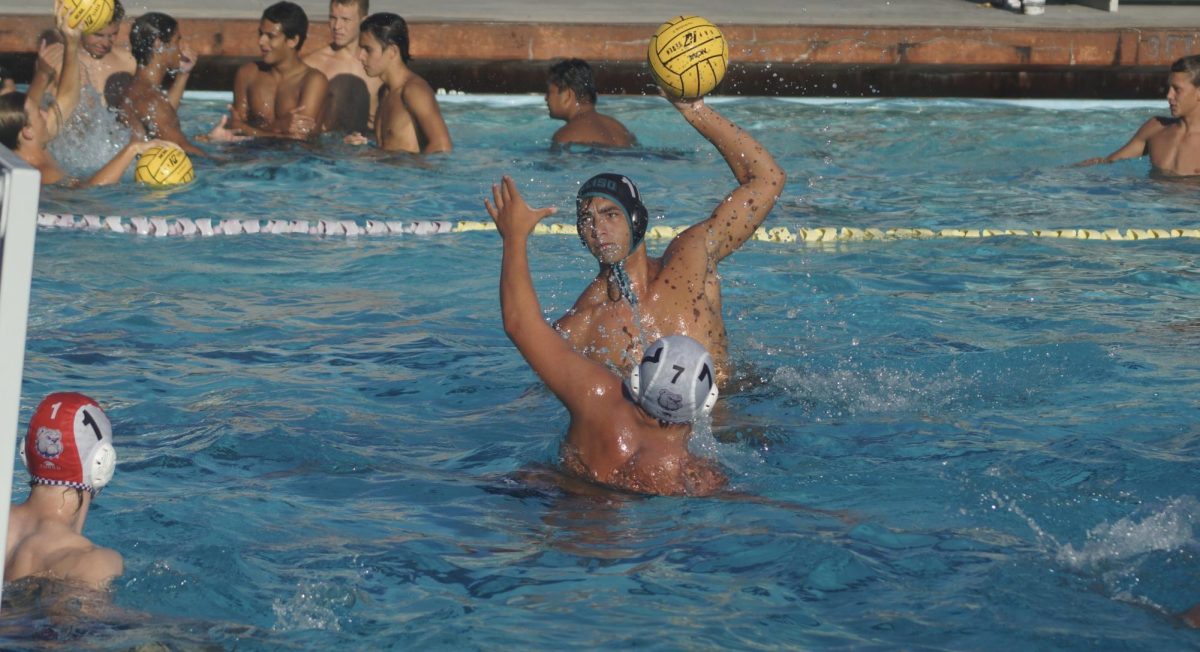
<point>771,179</point>
<point>778,178</point>
<point>514,323</point>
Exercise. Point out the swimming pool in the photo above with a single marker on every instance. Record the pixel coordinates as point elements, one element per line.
<point>318,436</point>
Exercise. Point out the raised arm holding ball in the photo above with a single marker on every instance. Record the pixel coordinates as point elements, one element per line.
<point>637,299</point>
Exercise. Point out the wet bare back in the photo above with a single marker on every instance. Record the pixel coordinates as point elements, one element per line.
<point>594,128</point>
<point>50,549</point>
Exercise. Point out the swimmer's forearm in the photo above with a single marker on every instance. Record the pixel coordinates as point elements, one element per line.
<point>744,155</point>
<point>564,371</point>
<point>175,95</point>
<point>519,306</point>
<point>43,76</point>
<point>192,149</point>
<point>113,170</point>
<point>255,132</point>
<point>66,94</point>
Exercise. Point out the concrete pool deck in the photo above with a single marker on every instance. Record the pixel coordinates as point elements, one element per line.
<point>784,47</point>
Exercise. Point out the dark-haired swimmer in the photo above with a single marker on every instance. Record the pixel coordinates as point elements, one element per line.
<point>409,119</point>
<point>280,96</point>
<point>632,436</point>
<point>1173,144</point>
<point>353,95</point>
<point>635,298</point>
<point>69,454</point>
<point>571,96</point>
<point>147,108</point>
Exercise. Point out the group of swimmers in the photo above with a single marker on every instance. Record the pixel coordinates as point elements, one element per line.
<point>359,84</point>
<point>636,361</point>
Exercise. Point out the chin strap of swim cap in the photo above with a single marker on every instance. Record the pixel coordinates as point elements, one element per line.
<point>623,283</point>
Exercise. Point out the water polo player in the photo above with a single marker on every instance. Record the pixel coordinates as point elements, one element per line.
<point>105,67</point>
<point>409,118</point>
<point>353,97</point>
<point>571,97</point>
<point>147,108</point>
<point>279,96</point>
<point>631,436</point>
<point>69,454</point>
<point>635,298</point>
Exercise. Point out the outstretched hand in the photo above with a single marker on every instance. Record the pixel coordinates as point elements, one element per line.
<point>510,212</point>
<point>221,133</point>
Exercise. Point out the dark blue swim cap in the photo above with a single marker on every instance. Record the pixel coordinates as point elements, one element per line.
<point>620,190</point>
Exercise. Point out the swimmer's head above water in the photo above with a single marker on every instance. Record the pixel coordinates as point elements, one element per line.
<point>621,192</point>
<point>674,382</point>
<point>151,34</point>
<point>69,444</point>
<point>100,43</point>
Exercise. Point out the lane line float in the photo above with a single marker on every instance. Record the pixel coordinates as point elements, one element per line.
<point>182,226</point>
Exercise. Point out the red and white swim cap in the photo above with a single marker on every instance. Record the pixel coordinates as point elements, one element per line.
<point>69,443</point>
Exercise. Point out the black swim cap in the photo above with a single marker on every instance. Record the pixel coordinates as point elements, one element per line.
<point>619,189</point>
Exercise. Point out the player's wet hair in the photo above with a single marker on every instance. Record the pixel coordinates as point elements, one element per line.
<point>388,29</point>
<point>1190,65</point>
<point>576,75</point>
<point>12,119</point>
<point>291,17</point>
<point>147,29</point>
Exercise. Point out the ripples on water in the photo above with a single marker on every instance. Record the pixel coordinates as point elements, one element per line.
<point>322,441</point>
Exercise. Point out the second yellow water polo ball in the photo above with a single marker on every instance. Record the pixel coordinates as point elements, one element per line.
<point>688,56</point>
<point>90,16</point>
<point>164,166</point>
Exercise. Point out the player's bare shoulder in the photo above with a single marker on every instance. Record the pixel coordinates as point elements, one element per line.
<point>97,566</point>
<point>319,58</point>
<point>416,89</point>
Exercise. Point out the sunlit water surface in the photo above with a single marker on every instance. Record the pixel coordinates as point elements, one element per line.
<point>320,438</point>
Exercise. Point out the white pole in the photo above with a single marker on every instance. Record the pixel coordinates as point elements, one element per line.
<point>20,186</point>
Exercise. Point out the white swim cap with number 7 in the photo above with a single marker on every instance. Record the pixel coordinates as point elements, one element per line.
<point>675,382</point>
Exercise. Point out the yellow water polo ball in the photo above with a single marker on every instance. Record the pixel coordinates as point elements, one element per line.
<point>164,166</point>
<point>90,16</point>
<point>688,56</point>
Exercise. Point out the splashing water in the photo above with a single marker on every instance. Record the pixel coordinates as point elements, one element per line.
<point>1167,529</point>
<point>90,137</point>
<point>314,606</point>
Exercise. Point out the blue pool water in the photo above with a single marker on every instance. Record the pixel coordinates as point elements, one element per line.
<point>320,440</point>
